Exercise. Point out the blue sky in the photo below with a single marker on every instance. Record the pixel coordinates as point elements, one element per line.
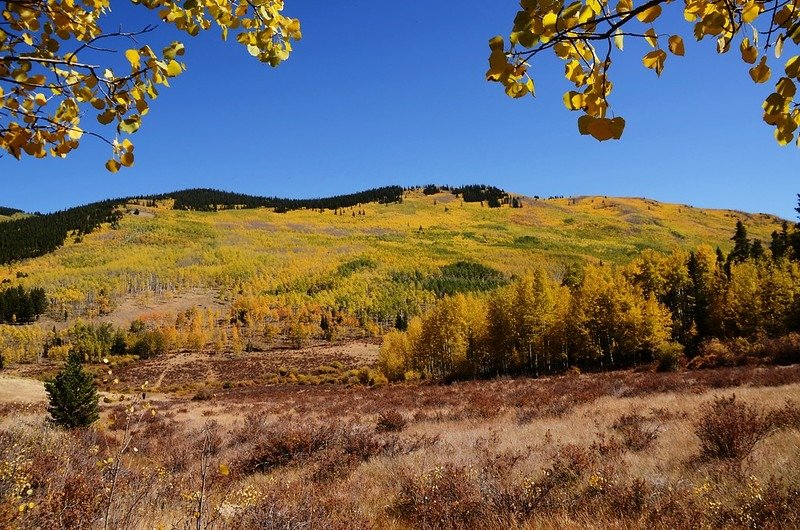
<point>380,93</point>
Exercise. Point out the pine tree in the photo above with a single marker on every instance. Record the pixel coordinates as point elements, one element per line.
<point>73,396</point>
<point>741,245</point>
<point>780,242</point>
<point>756,250</point>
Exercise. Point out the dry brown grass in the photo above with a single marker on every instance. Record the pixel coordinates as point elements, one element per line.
<point>596,451</point>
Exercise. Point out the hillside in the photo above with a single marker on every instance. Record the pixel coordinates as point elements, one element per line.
<point>336,258</point>
<point>7,214</point>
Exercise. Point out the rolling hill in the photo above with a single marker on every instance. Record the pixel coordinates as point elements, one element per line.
<point>377,258</point>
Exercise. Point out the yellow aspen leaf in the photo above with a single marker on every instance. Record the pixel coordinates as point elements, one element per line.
<point>126,159</point>
<point>624,6</point>
<point>749,53</point>
<point>130,125</point>
<point>774,106</point>
<point>586,15</point>
<point>793,66</point>
<point>651,37</point>
<point>127,145</point>
<point>786,88</point>
<point>173,50</point>
<point>750,11</point>
<point>655,60</point>
<point>779,46</point>
<point>549,20</point>
<point>618,40</point>
<point>113,166</point>
<point>760,73</point>
<point>650,14</point>
<point>133,57</point>
<point>600,129</point>
<point>794,33</point>
<point>571,10</point>
<point>575,73</point>
<point>617,127</point>
<point>564,50</point>
<point>224,470</point>
<point>498,64</point>
<point>784,17</point>
<point>573,100</point>
<point>174,68</point>
<point>676,45</point>
<point>40,99</point>
<point>517,90</point>
<point>75,133</point>
<point>106,117</point>
<point>784,133</point>
<point>584,122</point>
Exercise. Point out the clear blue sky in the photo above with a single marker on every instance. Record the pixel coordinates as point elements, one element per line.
<point>383,93</point>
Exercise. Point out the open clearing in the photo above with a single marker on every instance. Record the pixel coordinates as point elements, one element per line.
<point>21,390</point>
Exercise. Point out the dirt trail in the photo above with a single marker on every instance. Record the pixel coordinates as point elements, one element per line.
<point>19,390</point>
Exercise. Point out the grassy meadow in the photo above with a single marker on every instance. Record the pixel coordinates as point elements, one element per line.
<point>710,449</point>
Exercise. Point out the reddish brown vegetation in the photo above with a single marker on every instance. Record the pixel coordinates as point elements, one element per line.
<point>474,454</point>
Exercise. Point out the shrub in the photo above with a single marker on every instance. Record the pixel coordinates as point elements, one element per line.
<point>391,421</point>
<point>635,432</point>
<point>444,497</point>
<point>782,350</point>
<point>73,396</point>
<point>370,377</point>
<point>203,395</point>
<point>285,445</point>
<point>730,429</point>
<point>668,357</point>
<point>148,344</point>
<point>712,354</point>
<point>412,376</point>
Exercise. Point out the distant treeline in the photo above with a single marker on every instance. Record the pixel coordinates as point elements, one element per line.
<point>18,305</point>
<point>204,200</point>
<point>41,234</point>
<point>494,197</point>
<point>8,212</point>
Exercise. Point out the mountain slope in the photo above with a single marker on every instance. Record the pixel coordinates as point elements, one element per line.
<point>370,257</point>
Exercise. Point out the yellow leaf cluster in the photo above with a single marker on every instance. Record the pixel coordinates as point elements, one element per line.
<point>585,34</point>
<point>50,79</point>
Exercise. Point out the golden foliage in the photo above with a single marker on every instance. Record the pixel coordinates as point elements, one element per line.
<point>52,76</point>
<point>581,34</point>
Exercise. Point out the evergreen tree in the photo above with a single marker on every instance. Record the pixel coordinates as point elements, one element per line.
<point>780,242</point>
<point>401,322</point>
<point>756,250</point>
<point>720,258</point>
<point>73,396</point>
<point>741,245</point>
<point>699,275</point>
